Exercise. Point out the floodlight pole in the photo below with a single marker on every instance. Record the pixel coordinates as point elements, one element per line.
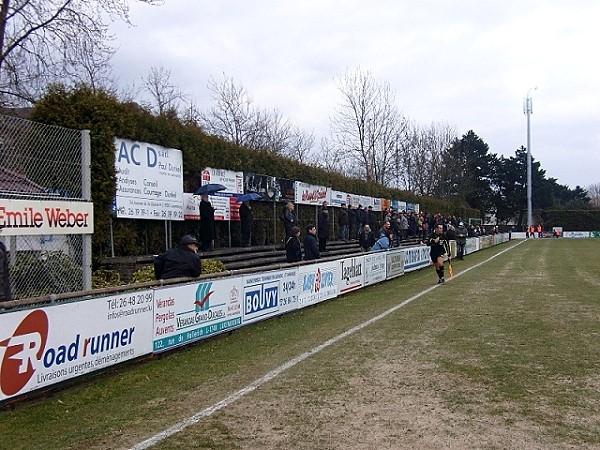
<point>528,110</point>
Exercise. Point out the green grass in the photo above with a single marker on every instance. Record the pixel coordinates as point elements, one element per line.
<point>517,338</point>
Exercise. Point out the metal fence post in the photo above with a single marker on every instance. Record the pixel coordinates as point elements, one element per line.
<point>86,194</point>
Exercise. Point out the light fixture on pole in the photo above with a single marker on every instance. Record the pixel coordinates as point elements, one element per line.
<point>528,110</point>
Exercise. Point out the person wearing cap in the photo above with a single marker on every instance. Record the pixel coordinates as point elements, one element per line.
<point>461,239</point>
<point>182,261</point>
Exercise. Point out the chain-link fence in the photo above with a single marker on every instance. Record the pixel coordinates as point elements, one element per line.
<point>43,162</point>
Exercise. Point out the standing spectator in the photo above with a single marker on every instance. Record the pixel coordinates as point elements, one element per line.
<point>366,238</point>
<point>5,291</point>
<point>384,240</point>
<point>293,250</point>
<point>343,222</point>
<point>323,227</point>
<point>461,239</point>
<point>182,261</point>
<point>289,219</point>
<point>360,219</point>
<point>311,246</point>
<point>403,227</point>
<point>352,222</point>
<point>247,220</point>
<point>370,218</point>
<point>207,224</point>
<point>412,225</point>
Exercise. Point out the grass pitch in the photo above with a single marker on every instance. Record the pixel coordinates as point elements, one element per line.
<point>506,355</point>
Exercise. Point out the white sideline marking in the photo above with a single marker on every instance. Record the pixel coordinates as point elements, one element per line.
<point>288,365</point>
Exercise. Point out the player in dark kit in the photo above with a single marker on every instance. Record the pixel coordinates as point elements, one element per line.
<point>437,242</point>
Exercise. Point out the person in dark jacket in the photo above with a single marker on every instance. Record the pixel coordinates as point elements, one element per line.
<point>343,222</point>
<point>247,220</point>
<point>351,222</point>
<point>289,219</point>
<point>311,246</point>
<point>366,238</point>
<point>182,261</point>
<point>207,224</point>
<point>323,231</point>
<point>437,242</point>
<point>5,291</point>
<point>293,249</point>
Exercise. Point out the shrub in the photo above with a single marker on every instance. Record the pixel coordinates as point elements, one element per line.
<point>103,278</point>
<point>212,266</point>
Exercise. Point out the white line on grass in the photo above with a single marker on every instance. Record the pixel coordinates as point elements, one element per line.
<point>291,363</point>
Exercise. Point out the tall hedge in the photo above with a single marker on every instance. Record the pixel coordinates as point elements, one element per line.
<point>106,117</point>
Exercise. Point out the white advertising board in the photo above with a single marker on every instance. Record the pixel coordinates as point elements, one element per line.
<point>191,206</point>
<point>189,312</point>
<point>351,274</point>
<point>394,263</point>
<point>576,234</point>
<point>45,346</point>
<point>416,258</point>
<point>233,181</point>
<point>149,181</point>
<point>269,294</point>
<point>45,217</point>
<point>375,267</point>
<point>309,194</point>
<point>339,197</point>
<point>317,282</point>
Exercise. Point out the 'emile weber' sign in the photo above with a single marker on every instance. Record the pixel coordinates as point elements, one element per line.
<point>41,217</point>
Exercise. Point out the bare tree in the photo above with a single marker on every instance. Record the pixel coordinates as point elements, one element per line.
<point>366,125</point>
<point>234,117</point>
<point>45,41</point>
<point>300,145</point>
<point>165,95</point>
<point>419,156</point>
<point>593,191</point>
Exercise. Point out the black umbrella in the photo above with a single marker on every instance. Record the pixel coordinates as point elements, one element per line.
<point>209,189</point>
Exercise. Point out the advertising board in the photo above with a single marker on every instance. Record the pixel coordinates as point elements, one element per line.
<point>149,181</point>
<point>269,294</point>
<point>45,346</point>
<point>194,311</point>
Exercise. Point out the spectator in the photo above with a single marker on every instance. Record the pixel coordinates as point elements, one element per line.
<point>343,221</point>
<point>293,250</point>
<point>461,239</point>
<point>247,220</point>
<point>289,219</point>
<point>323,232</point>
<point>360,219</point>
<point>370,217</point>
<point>207,224</point>
<point>383,243</point>
<point>366,238</point>
<point>352,222</point>
<point>311,246</point>
<point>5,290</point>
<point>182,261</point>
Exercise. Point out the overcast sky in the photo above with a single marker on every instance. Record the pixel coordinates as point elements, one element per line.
<point>467,63</point>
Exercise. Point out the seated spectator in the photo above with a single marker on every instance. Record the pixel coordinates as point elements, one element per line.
<point>383,243</point>
<point>182,261</point>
